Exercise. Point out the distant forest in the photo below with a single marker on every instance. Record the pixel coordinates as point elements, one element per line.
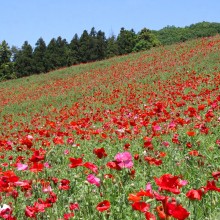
<point>91,46</point>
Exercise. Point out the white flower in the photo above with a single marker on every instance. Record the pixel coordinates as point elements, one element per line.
<point>4,207</point>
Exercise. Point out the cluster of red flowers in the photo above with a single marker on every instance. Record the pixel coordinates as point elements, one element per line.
<point>169,206</point>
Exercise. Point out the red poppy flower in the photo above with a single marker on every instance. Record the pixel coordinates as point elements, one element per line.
<point>194,153</point>
<point>52,198</point>
<point>160,212</point>
<point>26,141</point>
<point>177,211</point>
<point>6,212</point>
<point>68,216</point>
<point>216,175</point>
<point>55,180</point>
<point>141,206</point>
<point>30,212</point>
<point>100,152</point>
<point>150,216</point>
<point>74,206</point>
<point>211,186</point>
<point>36,157</point>
<point>153,161</point>
<point>103,206</point>
<point>64,184</point>
<point>108,176</point>
<point>191,133</point>
<point>75,162</point>
<point>148,192</point>
<point>194,194</point>
<point>134,198</point>
<point>170,183</point>
<point>37,167</point>
<point>91,166</point>
<point>136,156</point>
<point>113,165</point>
<point>58,140</point>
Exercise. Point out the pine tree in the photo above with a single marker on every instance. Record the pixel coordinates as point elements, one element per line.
<point>61,52</point>
<point>92,50</point>
<point>101,45</point>
<point>112,47</point>
<point>6,66</point>
<point>84,46</point>
<point>50,55</point>
<point>57,54</point>
<point>5,53</point>
<point>73,55</point>
<point>24,61</point>
<point>39,60</point>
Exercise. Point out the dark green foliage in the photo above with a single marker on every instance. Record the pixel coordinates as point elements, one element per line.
<point>92,53</point>
<point>172,34</point>
<point>51,55</point>
<point>24,65</point>
<point>6,66</point>
<point>5,53</point>
<point>112,47</point>
<point>126,41</point>
<point>145,40</point>
<point>92,46</point>
<point>56,55</point>
<point>73,55</point>
<point>100,45</point>
<point>84,47</point>
<point>14,51</point>
<point>39,59</point>
<point>204,29</point>
<point>62,52</point>
<point>7,71</point>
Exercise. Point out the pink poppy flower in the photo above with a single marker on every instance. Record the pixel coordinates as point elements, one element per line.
<point>165,143</point>
<point>47,165</point>
<point>66,152</point>
<point>93,180</point>
<point>124,160</point>
<point>156,128</point>
<point>47,189</point>
<point>21,166</point>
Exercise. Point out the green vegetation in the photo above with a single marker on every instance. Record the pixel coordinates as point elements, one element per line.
<point>172,34</point>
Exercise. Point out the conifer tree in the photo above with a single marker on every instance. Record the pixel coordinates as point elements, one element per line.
<point>61,52</point>
<point>112,47</point>
<point>50,55</point>
<point>24,61</point>
<point>6,66</point>
<point>39,60</point>
<point>101,45</point>
<point>73,55</point>
<point>84,46</point>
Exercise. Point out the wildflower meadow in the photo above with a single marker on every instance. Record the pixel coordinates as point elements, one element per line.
<point>131,137</point>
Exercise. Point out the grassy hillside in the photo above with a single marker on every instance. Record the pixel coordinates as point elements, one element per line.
<point>139,132</point>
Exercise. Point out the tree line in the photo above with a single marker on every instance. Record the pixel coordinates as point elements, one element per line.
<point>91,46</point>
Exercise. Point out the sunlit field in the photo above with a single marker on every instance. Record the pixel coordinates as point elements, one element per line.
<point>132,137</point>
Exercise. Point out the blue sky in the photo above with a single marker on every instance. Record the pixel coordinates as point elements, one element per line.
<point>31,19</point>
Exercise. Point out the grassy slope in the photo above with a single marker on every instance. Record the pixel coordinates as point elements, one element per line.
<point>18,94</point>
